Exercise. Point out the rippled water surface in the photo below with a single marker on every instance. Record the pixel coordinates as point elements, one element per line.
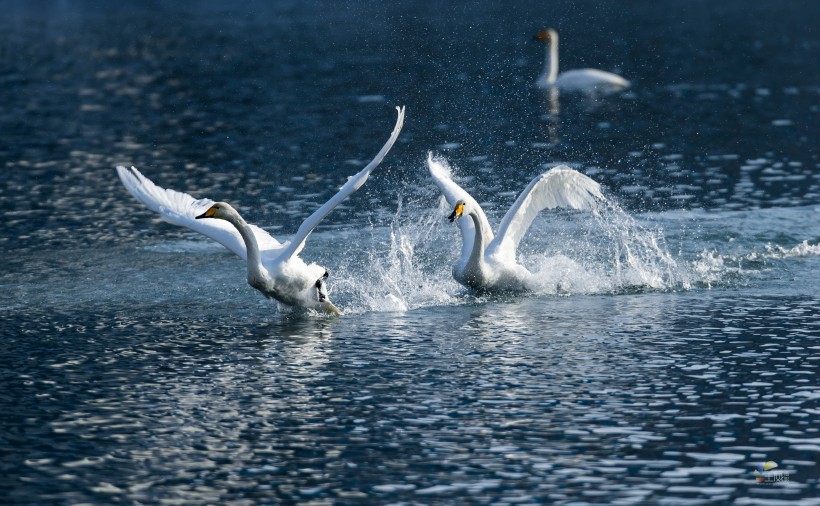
<point>671,348</point>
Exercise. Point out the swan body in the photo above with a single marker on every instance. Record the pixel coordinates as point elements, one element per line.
<point>274,268</point>
<point>581,80</point>
<point>488,262</point>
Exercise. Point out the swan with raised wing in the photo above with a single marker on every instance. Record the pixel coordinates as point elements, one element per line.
<point>274,269</point>
<point>487,262</point>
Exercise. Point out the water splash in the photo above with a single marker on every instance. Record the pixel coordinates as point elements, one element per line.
<point>803,249</point>
<point>409,263</point>
<point>606,251</point>
<point>711,268</point>
<point>402,269</point>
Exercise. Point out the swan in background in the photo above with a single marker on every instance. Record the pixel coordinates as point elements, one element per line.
<point>573,80</point>
<point>274,269</point>
<point>489,263</point>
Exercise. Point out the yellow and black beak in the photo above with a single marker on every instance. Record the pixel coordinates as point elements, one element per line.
<point>457,212</point>
<point>207,214</point>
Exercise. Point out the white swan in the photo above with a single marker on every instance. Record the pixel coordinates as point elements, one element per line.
<point>583,80</point>
<point>274,269</point>
<point>489,263</point>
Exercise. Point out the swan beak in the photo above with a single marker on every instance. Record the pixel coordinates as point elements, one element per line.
<point>457,212</point>
<point>542,36</point>
<point>207,214</point>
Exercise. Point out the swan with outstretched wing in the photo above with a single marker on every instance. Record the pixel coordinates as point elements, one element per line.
<point>488,262</point>
<point>274,269</point>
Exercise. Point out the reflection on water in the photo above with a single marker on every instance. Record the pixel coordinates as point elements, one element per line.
<point>542,397</point>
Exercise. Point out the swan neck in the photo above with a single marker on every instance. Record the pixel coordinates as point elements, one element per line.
<point>477,255</point>
<point>551,62</point>
<point>255,269</point>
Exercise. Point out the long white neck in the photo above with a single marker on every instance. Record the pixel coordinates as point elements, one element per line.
<point>256,272</point>
<point>551,60</point>
<point>479,244</point>
<point>474,270</point>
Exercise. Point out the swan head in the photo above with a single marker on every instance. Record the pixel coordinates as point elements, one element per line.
<point>458,211</point>
<point>547,35</point>
<point>220,210</point>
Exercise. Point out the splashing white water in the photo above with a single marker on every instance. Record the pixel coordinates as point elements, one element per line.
<point>401,270</point>
<point>409,263</point>
<point>712,268</point>
<point>606,251</point>
<point>803,249</point>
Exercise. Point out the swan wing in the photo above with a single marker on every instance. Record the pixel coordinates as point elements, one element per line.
<point>353,183</point>
<point>560,186</point>
<point>586,79</point>
<point>442,176</point>
<point>180,209</point>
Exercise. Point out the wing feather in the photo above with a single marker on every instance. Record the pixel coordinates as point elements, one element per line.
<point>353,183</point>
<point>180,209</point>
<point>441,173</point>
<point>560,186</point>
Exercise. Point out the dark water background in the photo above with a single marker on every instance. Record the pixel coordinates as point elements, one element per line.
<point>673,349</point>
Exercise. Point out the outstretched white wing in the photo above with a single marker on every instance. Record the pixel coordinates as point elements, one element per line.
<point>441,173</point>
<point>560,186</point>
<point>354,183</point>
<point>180,209</point>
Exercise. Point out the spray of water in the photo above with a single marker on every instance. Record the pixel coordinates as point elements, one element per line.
<point>403,269</point>
<point>606,251</point>
<point>406,262</point>
<point>409,262</point>
<point>803,249</point>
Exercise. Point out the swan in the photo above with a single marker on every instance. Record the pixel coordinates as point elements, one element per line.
<point>274,268</point>
<point>573,80</point>
<point>487,262</point>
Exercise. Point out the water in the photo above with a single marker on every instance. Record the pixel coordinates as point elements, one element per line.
<point>671,349</point>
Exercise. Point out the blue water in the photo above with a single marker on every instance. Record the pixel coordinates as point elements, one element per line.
<point>671,349</point>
